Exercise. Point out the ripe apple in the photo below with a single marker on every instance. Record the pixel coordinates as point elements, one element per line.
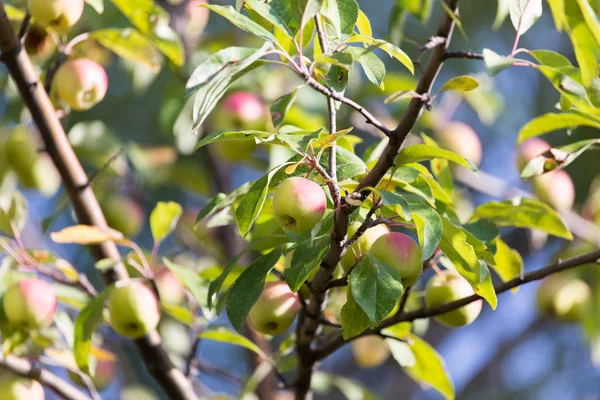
<point>401,252</point>
<point>449,286</point>
<point>170,288</point>
<point>81,83</point>
<point>370,351</point>
<point>134,310</point>
<point>461,139</point>
<point>275,310</point>
<point>362,245</point>
<point>16,387</point>
<point>563,298</point>
<point>555,188</point>
<point>123,214</point>
<point>530,150</point>
<point>299,204</point>
<point>61,15</point>
<point>102,373</point>
<point>30,303</point>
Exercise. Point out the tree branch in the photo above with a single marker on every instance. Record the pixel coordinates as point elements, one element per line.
<point>336,341</point>
<point>85,204</point>
<point>24,368</point>
<point>463,54</point>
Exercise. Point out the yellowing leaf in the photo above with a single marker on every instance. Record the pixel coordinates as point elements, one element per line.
<point>86,234</point>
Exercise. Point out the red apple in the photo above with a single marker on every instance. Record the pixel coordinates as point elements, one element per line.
<point>461,139</point>
<point>81,83</point>
<point>402,253</point>
<point>275,310</point>
<point>30,303</point>
<point>299,204</point>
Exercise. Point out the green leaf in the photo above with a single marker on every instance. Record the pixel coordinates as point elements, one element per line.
<point>224,335</point>
<point>281,106</point>
<point>354,319</point>
<point>153,22</point>
<point>590,18</point>
<point>129,44</point>
<point>390,49</point>
<point>211,91</point>
<point>454,18</point>
<point>307,256</point>
<point>163,219</point>
<point>13,209</point>
<point>569,88</point>
<point>241,21</point>
<point>215,286</point>
<point>584,42</point>
<point>215,63</point>
<point>309,8</point>
<point>292,141</point>
<point>501,13</point>
<point>495,63</point>
<point>557,158</point>
<point>429,368</point>
<point>86,323</point>
<point>428,223</point>
<point>557,7</point>
<point>550,58</point>
<point>462,83</point>
<point>248,287</point>
<point>552,122</point>
<point>374,68</point>
<point>524,213</point>
<point>524,13</point>
<point>252,202</point>
<point>190,279</point>
<point>401,352</point>
<point>509,263</point>
<point>271,15</point>
<point>363,24</point>
<point>330,12</point>
<point>97,5</point>
<point>423,152</point>
<point>350,15</point>
<point>290,12</point>
<point>375,287</point>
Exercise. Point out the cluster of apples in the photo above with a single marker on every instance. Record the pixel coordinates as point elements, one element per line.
<point>80,83</point>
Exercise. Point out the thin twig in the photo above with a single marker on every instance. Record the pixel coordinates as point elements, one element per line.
<point>104,167</point>
<point>463,54</point>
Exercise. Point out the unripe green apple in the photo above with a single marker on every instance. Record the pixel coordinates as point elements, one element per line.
<point>30,303</point>
<point>81,83</point>
<point>555,188</point>
<point>275,310</point>
<point>123,214</point>
<point>16,387</point>
<point>461,139</point>
<point>370,351</point>
<point>449,286</point>
<point>38,42</point>
<point>233,151</point>
<point>170,288</point>
<point>530,150</point>
<point>134,310</point>
<point>402,253</point>
<point>102,373</point>
<point>299,204</point>
<point>563,298</point>
<point>61,15</point>
<point>362,245</point>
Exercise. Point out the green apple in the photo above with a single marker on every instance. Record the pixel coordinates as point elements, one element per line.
<point>370,351</point>
<point>449,286</point>
<point>275,310</point>
<point>461,139</point>
<point>555,188</point>
<point>16,387</point>
<point>61,15</point>
<point>123,214</point>
<point>529,150</point>
<point>563,298</point>
<point>38,42</point>
<point>170,288</point>
<point>102,373</point>
<point>30,303</point>
<point>134,310</point>
<point>299,204</point>
<point>80,83</point>
<point>401,252</point>
<point>233,151</point>
<point>362,245</point>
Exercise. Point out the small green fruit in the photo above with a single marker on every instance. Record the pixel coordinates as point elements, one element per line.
<point>233,151</point>
<point>61,15</point>
<point>275,310</point>
<point>449,286</point>
<point>563,298</point>
<point>370,351</point>
<point>102,374</point>
<point>81,83</point>
<point>170,288</point>
<point>461,139</point>
<point>123,214</point>
<point>402,253</point>
<point>30,303</point>
<point>555,188</point>
<point>362,245</point>
<point>16,387</point>
<point>299,204</point>
<point>134,310</point>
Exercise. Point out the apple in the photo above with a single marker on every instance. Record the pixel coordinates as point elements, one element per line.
<point>401,252</point>
<point>370,351</point>
<point>555,188</point>
<point>38,42</point>
<point>564,298</point>
<point>170,288</point>
<point>362,245</point>
<point>123,214</point>
<point>449,286</point>
<point>102,373</point>
<point>275,310</point>
<point>299,204</point>
<point>61,15</point>
<point>30,303</point>
<point>16,387</point>
<point>134,310</point>
<point>529,150</point>
<point>81,83</point>
<point>461,139</point>
<point>233,151</point>
<point>196,19</point>
<point>138,392</point>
